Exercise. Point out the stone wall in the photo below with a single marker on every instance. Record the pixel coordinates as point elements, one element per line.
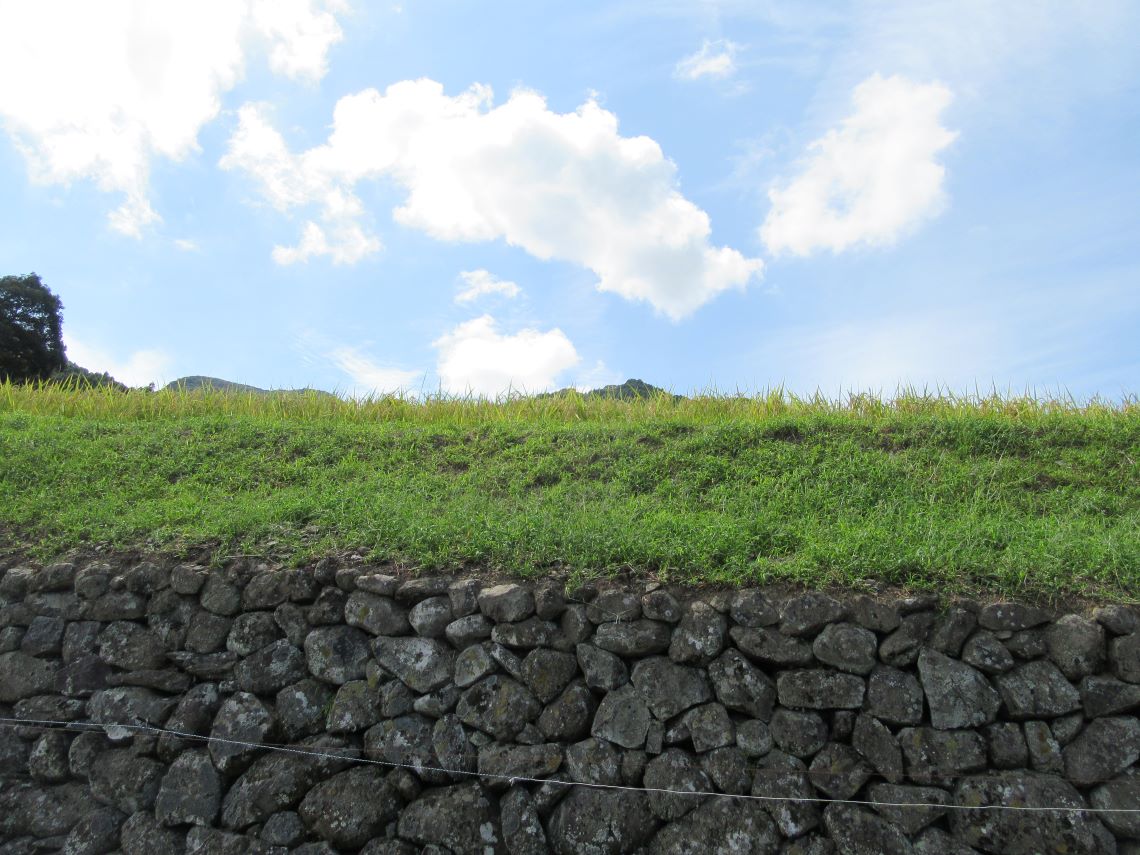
<point>432,715</point>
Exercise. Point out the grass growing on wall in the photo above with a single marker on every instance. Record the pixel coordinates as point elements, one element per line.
<point>1009,496</point>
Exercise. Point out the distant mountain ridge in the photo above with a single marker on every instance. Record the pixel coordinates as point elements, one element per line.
<point>630,389</point>
<point>198,381</point>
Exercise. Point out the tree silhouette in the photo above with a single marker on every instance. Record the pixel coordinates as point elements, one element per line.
<point>31,330</point>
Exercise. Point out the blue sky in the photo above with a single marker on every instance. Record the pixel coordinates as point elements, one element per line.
<point>429,195</point>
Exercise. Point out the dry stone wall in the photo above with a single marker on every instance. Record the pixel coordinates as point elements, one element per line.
<point>142,700</point>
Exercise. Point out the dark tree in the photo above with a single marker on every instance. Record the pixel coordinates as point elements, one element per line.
<point>31,330</point>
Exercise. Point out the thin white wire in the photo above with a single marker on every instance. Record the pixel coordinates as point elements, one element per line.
<point>513,779</point>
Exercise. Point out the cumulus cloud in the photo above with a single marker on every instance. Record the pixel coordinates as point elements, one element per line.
<point>138,369</point>
<point>561,186</point>
<point>714,59</point>
<point>475,358</point>
<point>480,282</point>
<point>96,91</point>
<point>872,179</point>
<point>373,377</point>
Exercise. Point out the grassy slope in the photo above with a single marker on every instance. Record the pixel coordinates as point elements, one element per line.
<point>1010,497</point>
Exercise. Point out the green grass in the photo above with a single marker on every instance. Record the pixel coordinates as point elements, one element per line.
<point>1007,496</point>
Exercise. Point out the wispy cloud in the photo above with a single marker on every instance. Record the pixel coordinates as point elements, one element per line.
<point>872,179</point>
<point>480,282</point>
<point>562,186</point>
<point>370,377</point>
<point>475,357</point>
<point>139,368</point>
<point>715,59</point>
<point>186,245</point>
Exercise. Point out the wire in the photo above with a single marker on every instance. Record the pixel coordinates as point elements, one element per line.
<point>514,779</point>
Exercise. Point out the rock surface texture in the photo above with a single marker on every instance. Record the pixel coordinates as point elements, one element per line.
<point>145,703</point>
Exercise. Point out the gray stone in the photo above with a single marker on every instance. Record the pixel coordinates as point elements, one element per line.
<point>753,609</point>
<point>431,617</point>
<point>986,653</point>
<point>549,599</point>
<point>1007,748</point>
<point>894,696</point>
<point>783,776</point>
<point>208,841</point>
<point>754,737</point>
<point>407,740</point>
<point>10,638</point>
<point>375,614</point>
<point>270,669</point>
<point>860,832</point>
<point>839,771</point>
<point>453,748</point>
<point>95,833</point>
<point>506,660</point>
<point>1037,690</point>
<point>937,757</point>
<point>741,686</point>
<point>800,734</point>
<point>614,604</point>
<point>115,605</point>
<point>1124,654</point>
<point>47,761</point>
<point>336,654</point>
<point>351,808</point>
<point>272,783</point>
<point>1027,644</point>
<point>771,648</point>
<point>568,717</point>
<point>680,773</point>
<point>1044,751</point>
<point>910,819</point>
<point>847,647</point>
<point>422,664</point>
<point>1015,832</point>
<point>268,590</point>
<point>547,672</point>
<point>79,639</point>
<point>669,689</point>
<point>507,603</point>
<point>719,827</point>
<point>575,626</point>
<point>902,646</point>
<point>219,596</point>
<point>807,614</point>
<point>709,727</point>
<point>1011,617</point>
<point>328,609</point>
<point>700,635</point>
<point>729,770</point>
<point>661,605</point>
<point>499,706</point>
<point>435,704</point>
<point>128,705</point>
<point>355,707</point>
<point>251,631</point>
<point>532,632</point>
<point>191,791</point>
<point>241,725</point>
<point>874,615</point>
<point>1115,803</point>
<point>461,817</point>
<point>160,679</point>
<point>283,828</point>
<point>637,638</point>
<point>1107,696</point>
<point>473,664</point>
<point>142,835</point>
<point>124,781</point>
<point>1117,618</point>
<point>589,821</point>
<point>522,830</point>
<point>603,670</point>
<point>468,630</point>
<point>519,761</point>
<point>396,699</point>
<point>44,636</point>
<point>42,811</point>
<point>22,676</point>
<point>1104,748</point>
<point>207,666</point>
<point>871,738</point>
<point>301,708</point>
<point>188,578</point>
<point>958,695</point>
<point>1066,728</point>
<point>951,630</point>
<point>378,583</point>
<point>622,717</point>
<point>1076,645</point>
<point>207,632</point>
<point>820,689</point>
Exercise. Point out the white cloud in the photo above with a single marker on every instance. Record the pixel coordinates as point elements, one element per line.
<point>475,358</point>
<point>597,377</point>
<point>348,246</point>
<point>140,367</point>
<point>96,91</point>
<point>869,181</point>
<point>374,378</point>
<point>480,282</point>
<point>561,186</point>
<point>714,59</point>
<point>186,245</point>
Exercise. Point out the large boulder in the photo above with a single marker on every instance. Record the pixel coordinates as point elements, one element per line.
<point>462,817</point>
<point>351,808</point>
<point>590,821</point>
<point>959,696</point>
